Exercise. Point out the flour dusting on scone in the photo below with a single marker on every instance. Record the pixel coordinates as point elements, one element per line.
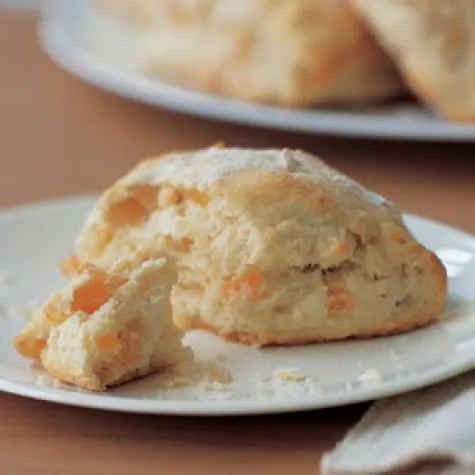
<point>106,328</point>
<point>272,246</point>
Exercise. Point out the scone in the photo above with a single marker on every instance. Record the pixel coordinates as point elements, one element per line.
<point>104,329</point>
<point>288,52</point>
<point>433,44</point>
<point>272,246</point>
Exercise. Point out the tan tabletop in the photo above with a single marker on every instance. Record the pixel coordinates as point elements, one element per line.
<point>59,136</point>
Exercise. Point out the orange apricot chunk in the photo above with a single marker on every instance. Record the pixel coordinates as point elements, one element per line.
<point>128,211</point>
<point>40,343</point>
<point>339,299</point>
<point>197,196</point>
<point>339,248</point>
<point>341,304</point>
<point>335,290</point>
<point>109,341</point>
<point>147,195</point>
<point>178,245</point>
<point>29,348</point>
<point>247,285</point>
<point>90,296</point>
<point>168,196</point>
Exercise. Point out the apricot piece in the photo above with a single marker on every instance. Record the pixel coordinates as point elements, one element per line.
<point>146,195</point>
<point>339,299</point>
<point>109,341</point>
<point>178,245</point>
<point>336,290</point>
<point>341,304</point>
<point>91,295</point>
<point>168,196</point>
<point>40,343</point>
<point>126,212</point>
<point>29,348</point>
<point>197,196</point>
<point>247,285</point>
<point>338,248</point>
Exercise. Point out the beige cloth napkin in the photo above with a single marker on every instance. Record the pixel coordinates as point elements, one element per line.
<point>428,432</point>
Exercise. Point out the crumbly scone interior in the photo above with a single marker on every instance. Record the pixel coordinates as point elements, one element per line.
<point>107,327</point>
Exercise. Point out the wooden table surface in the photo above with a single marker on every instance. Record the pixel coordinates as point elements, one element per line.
<point>59,136</point>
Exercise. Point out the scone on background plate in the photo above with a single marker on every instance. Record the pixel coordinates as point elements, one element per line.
<point>433,44</point>
<point>134,12</point>
<point>272,246</point>
<point>104,329</point>
<point>287,52</point>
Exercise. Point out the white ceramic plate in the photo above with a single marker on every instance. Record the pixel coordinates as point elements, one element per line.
<point>34,238</point>
<point>99,50</point>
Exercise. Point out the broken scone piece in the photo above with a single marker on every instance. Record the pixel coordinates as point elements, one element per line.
<point>104,329</point>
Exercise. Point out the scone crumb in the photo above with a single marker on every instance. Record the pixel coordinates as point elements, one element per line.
<point>218,145</point>
<point>215,378</point>
<point>286,375</point>
<point>213,386</point>
<point>48,381</point>
<point>287,383</point>
<point>171,380</point>
<point>370,377</point>
<point>218,375</point>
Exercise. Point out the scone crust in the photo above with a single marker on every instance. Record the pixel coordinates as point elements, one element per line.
<point>92,384</point>
<point>302,337</point>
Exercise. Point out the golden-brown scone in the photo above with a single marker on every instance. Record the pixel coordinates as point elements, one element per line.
<point>104,329</point>
<point>287,52</point>
<point>272,246</point>
<point>433,44</point>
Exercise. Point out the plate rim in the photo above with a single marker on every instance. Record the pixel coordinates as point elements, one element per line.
<point>251,406</point>
<point>59,44</point>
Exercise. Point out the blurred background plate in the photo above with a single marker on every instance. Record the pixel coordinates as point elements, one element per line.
<point>99,50</point>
